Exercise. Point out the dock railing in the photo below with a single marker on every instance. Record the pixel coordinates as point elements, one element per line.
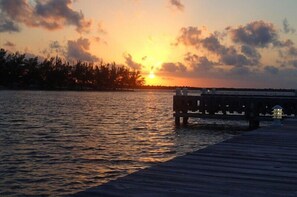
<point>216,105</point>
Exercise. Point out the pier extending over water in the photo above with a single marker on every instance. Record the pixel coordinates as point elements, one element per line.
<point>262,162</point>
<point>252,108</point>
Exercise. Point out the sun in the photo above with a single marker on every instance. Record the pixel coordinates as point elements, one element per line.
<point>152,75</point>
<point>151,78</point>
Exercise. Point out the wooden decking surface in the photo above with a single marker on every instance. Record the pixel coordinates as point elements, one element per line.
<point>257,163</point>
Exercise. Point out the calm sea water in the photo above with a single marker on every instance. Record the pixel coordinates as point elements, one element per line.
<point>58,143</point>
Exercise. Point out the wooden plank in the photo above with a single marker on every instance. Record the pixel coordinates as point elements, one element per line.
<point>257,163</point>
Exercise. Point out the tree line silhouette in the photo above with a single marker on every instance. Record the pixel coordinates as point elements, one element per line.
<point>20,72</point>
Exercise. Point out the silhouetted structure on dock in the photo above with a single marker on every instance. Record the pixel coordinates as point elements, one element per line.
<point>252,108</point>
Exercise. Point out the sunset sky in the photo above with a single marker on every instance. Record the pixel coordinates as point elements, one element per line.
<point>213,43</point>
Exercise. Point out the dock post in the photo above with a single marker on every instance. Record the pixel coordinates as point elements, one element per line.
<point>254,124</point>
<point>185,120</point>
<point>177,121</point>
<point>253,117</point>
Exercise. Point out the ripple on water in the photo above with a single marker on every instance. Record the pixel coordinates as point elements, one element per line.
<point>58,143</point>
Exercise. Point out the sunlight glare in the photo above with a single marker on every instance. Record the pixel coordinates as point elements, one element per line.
<point>152,75</point>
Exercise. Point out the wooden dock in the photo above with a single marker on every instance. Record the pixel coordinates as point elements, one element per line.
<point>262,162</point>
<point>252,108</point>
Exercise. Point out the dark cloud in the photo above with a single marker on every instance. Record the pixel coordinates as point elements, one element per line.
<point>252,53</point>
<point>245,43</point>
<point>271,70</point>
<point>7,25</point>
<point>227,55</point>
<point>292,51</point>
<point>199,63</point>
<point>177,4</point>
<point>191,58</point>
<point>55,45</point>
<point>48,14</point>
<point>213,44</point>
<point>293,63</point>
<point>282,44</point>
<point>204,63</point>
<point>131,63</point>
<point>288,50</point>
<point>287,28</point>
<point>78,50</point>
<point>242,52</point>
<point>231,57</point>
<point>189,36</point>
<point>9,44</point>
<point>173,67</point>
<point>257,34</point>
<point>288,63</point>
<point>239,71</point>
<point>193,36</point>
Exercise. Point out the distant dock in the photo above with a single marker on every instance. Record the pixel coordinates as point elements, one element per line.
<point>262,162</point>
<point>214,105</point>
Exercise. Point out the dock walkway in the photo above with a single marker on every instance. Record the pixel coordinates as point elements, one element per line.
<point>262,162</point>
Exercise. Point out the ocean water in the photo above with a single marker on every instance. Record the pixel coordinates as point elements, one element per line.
<point>59,143</point>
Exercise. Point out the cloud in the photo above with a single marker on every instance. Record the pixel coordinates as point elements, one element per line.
<point>293,63</point>
<point>231,57</point>
<point>257,34</point>
<point>78,50</point>
<point>48,14</point>
<point>55,45</point>
<point>287,28</point>
<point>131,63</point>
<point>234,55</point>
<point>189,36</point>
<point>173,67</point>
<point>242,51</point>
<point>100,28</point>
<point>228,55</point>
<point>250,51</point>
<point>292,51</point>
<point>97,39</point>
<point>7,25</point>
<point>287,52</point>
<point>9,44</point>
<point>213,44</point>
<point>271,69</point>
<point>177,4</point>
<point>199,63</point>
<point>239,72</point>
